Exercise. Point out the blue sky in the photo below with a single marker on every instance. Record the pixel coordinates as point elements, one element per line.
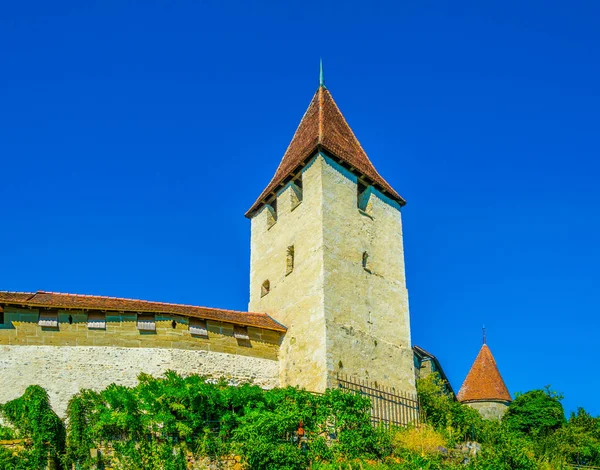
<point>134,136</point>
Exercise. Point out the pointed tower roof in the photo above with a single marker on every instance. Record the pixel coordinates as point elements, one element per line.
<point>484,382</point>
<point>324,128</point>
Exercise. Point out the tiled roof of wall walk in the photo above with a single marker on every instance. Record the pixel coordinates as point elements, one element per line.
<point>324,127</point>
<point>96,302</point>
<point>484,381</point>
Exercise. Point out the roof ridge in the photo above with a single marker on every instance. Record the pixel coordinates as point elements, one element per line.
<point>355,138</point>
<point>107,297</point>
<point>323,126</point>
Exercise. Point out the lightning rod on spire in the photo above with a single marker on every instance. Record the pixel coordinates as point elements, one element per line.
<point>321,79</point>
<point>483,331</point>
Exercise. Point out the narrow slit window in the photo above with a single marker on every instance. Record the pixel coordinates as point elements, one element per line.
<point>146,322</point>
<point>96,321</point>
<point>241,332</point>
<point>365,261</point>
<point>48,319</point>
<point>265,288</point>
<point>198,328</point>
<point>289,262</point>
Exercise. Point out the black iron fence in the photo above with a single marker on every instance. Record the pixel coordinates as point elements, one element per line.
<point>388,406</point>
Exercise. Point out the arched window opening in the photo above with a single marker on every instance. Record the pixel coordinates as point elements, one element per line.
<point>265,288</point>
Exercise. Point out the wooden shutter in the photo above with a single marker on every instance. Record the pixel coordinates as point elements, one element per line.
<point>240,332</point>
<point>146,322</point>
<point>96,321</point>
<point>48,318</point>
<point>198,327</point>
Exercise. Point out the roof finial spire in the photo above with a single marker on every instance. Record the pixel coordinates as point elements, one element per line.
<point>483,330</point>
<point>321,79</point>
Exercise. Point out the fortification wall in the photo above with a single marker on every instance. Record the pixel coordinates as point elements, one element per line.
<point>64,370</point>
<point>73,356</point>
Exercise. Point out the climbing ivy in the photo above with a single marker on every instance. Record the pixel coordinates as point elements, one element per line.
<point>31,418</point>
<point>159,422</point>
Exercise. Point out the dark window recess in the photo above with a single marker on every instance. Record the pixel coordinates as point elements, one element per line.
<point>289,263</point>
<point>272,213</point>
<point>362,197</point>
<point>70,319</point>
<point>1,315</point>
<point>296,191</point>
<point>274,206</point>
<point>365,261</point>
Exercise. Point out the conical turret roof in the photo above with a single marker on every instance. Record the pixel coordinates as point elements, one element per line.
<point>323,127</point>
<point>484,381</point>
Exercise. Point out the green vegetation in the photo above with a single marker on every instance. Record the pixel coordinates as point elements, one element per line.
<point>166,423</point>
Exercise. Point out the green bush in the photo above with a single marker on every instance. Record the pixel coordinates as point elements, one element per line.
<point>536,413</point>
<point>161,421</point>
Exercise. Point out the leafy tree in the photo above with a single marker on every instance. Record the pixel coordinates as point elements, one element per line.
<point>536,413</point>
<point>578,442</point>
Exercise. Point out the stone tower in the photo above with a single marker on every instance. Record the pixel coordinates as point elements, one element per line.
<point>484,388</point>
<point>327,259</point>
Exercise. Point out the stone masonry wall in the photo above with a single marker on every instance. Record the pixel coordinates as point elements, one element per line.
<point>296,298</point>
<point>64,370</point>
<point>73,356</point>
<point>366,307</point>
<point>489,409</point>
<point>21,328</point>
<point>340,317</point>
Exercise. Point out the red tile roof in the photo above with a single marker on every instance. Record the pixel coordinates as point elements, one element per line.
<point>324,127</point>
<point>483,381</point>
<point>96,302</point>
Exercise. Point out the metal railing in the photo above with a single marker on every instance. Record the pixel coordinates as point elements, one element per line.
<point>388,406</point>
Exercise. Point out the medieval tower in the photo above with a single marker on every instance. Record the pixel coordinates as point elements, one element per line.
<point>327,259</point>
<point>483,388</point>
